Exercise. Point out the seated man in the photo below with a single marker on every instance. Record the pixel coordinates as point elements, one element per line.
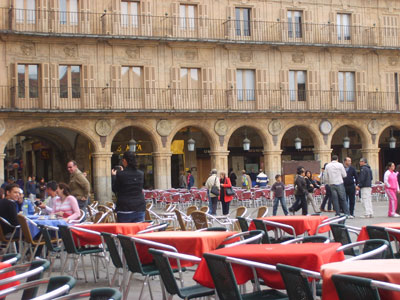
<point>8,209</point>
<point>51,189</point>
<point>20,203</point>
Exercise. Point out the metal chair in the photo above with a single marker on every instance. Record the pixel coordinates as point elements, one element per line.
<point>28,241</point>
<point>371,249</point>
<point>308,239</point>
<point>333,220</point>
<point>378,232</point>
<point>200,219</point>
<point>248,237</point>
<point>53,246</point>
<point>341,234</point>
<point>9,239</point>
<point>278,228</point>
<point>94,294</point>
<point>244,225</point>
<point>110,243</point>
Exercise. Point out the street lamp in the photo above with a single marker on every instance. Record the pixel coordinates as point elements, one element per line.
<point>297,140</point>
<point>392,140</point>
<point>191,143</point>
<point>346,141</point>
<point>132,145</point>
<point>246,141</point>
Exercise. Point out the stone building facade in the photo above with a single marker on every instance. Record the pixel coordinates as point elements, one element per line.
<point>87,76</point>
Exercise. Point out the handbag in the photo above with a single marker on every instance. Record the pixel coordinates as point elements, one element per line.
<point>214,188</point>
<point>229,191</point>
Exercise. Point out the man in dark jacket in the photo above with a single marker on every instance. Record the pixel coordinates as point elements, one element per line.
<point>364,185</point>
<point>8,208</point>
<point>300,193</point>
<point>350,183</point>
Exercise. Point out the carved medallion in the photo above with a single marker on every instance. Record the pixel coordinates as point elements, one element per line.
<point>133,52</point>
<point>373,126</point>
<point>246,56</point>
<point>347,59</point>
<point>325,127</point>
<point>275,127</point>
<point>28,49</point>
<point>190,55</point>
<point>103,127</point>
<point>393,60</point>
<point>70,51</point>
<point>2,127</point>
<point>164,127</point>
<point>221,127</point>
<point>298,57</point>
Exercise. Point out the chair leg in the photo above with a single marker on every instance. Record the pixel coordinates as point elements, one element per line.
<point>93,269</point>
<point>65,264</point>
<point>127,287</point>
<point>83,267</point>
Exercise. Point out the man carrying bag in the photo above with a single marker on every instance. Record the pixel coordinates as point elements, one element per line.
<point>213,187</point>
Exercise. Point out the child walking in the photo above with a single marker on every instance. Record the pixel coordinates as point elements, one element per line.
<point>279,193</point>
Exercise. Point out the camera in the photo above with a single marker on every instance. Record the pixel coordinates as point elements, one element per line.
<point>117,168</point>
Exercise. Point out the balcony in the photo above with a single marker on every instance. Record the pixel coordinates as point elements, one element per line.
<point>85,24</point>
<point>172,100</point>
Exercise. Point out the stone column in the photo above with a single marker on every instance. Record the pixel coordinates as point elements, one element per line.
<point>102,176</point>
<point>323,155</point>
<point>2,157</point>
<point>272,164</point>
<point>162,170</point>
<point>372,155</point>
<point>219,160</point>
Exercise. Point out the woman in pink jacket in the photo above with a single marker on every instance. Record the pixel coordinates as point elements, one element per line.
<point>225,182</point>
<point>391,188</point>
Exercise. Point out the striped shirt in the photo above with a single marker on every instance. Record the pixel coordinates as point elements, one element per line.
<point>69,207</point>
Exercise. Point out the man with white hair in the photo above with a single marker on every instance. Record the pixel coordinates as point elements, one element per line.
<point>213,180</point>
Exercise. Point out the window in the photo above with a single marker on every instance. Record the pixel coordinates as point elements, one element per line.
<point>129,14</point>
<point>242,22</point>
<point>187,14</point>
<point>68,12</point>
<point>28,81</point>
<point>190,79</point>
<point>70,81</point>
<point>132,77</point>
<point>297,85</point>
<point>346,86</point>
<point>245,82</point>
<point>396,88</point>
<point>343,26</point>
<point>295,24</point>
<point>25,10</point>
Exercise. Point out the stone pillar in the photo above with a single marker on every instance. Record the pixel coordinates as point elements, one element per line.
<point>219,160</point>
<point>272,164</point>
<point>162,170</point>
<point>2,157</point>
<point>323,155</point>
<point>372,155</point>
<point>102,176</point>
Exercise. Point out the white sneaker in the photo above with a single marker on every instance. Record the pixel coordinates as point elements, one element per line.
<point>396,215</point>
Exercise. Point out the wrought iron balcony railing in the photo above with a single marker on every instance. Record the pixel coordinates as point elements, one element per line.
<point>194,29</point>
<point>173,100</point>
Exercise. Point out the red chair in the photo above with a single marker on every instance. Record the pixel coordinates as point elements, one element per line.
<point>267,197</point>
<point>258,198</point>
<point>246,198</point>
<point>289,195</point>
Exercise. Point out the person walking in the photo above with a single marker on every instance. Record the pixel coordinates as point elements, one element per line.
<point>398,194</point>
<point>79,185</point>
<point>278,188</point>
<point>225,199</point>
<point>262,179</point>
<point>31,188</point>
<point>232,177</point>
<point>189,180</point>
<point>364,185</point>
<point>213,181</point>
<point>391,188</point>
<point>311,186</point>
<point>182,180</point>
<point>246,181</point>
<point>328,194</point>
<point>300,193</point>
<point>334,174</point>
<point>350,183</point>
<point>127,184</point>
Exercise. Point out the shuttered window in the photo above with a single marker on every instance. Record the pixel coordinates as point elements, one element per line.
<point>343,24</point>
<point>245,83</point>
<point>242,21</point>
<point>28,81</point>
<point>190,78</point>
<point>69,81</point>
<point>68,12</point>
<point>187,15</point>
<point>295,23</point>
<point>297,85</point>
<point>25,11</point>
<point>346,82</point>
<point>129,14</point>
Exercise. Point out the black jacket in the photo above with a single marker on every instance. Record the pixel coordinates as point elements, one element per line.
<point>365,178</point>
<point>351,178</point>
<point>311,181</point>
<point>8,211</point>
<point>300,186</point>
<point>128,186</point>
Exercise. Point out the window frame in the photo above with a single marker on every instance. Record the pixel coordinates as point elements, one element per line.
<point>245,93</point>
<point>293,25</point>
<point>129,19</point>
<point>68,17</point>
<point>346,95</point>
<point>343,29</point>
<point>297,94</point>
<point>187,22</point>
<point>240,24</point>
<point>26,14</point>
<point>70,88</point>
<point>26,88</point>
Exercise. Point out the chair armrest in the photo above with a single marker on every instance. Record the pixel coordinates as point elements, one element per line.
<point>85,230</point>
<point>55,293</point>
<point>368,254</point>
<point>152,228</point>
<point>154,244</point>
<point>246,241</point>
<point>280,225</point>
<point>293,241</point>
<point>23,286</point>
<point>182,256</point>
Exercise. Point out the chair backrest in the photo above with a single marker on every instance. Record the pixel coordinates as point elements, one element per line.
<point>216,229</point>
<point>32,292</point>
<point>166,273</point>
<point>297,286</point>
<point>81,217</point>
<point>199,219</point>
<point>147,215</point>
<point>355,288</point>
<point>244,226</point>
<point>191,209</point>
<point>204,209</point>
<point>59,281</point>
<point>98,217</point>
<point>68,240</point>
<point>2,235</point>
<point>341,235</point>
<point>105,293</point>
<point>315,239</point>
<point>113,249</point>
<point>47,238</point>
<point>378,232</point>
<point>261,226</point>
<point>376,243</point>
<point>223,277</point>
<point>241,211</point>
<point>27,237</point>
<point>130,253</point>
<point>180,220</point>
<point>262,211</point>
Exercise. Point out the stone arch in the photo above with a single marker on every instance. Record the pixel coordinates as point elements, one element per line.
<point>361,130</point>
<point>312,130</point>
<point>265,137</point>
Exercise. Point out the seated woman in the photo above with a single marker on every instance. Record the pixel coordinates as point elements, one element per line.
<point>66,205</point>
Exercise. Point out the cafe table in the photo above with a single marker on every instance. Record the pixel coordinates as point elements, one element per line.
<point>114,228</point>
<point>188,242</point>
<point>310,256</point>
<point>43,220</point>
<point>387,270</point>
<point>363,235</point>
<point>301,224</point>
<point>7,275</point>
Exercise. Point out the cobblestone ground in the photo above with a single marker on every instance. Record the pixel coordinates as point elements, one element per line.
<point>380,216</point>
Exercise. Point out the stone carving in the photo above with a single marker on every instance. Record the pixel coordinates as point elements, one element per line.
<point>190,55</point>
<point>28,49</point>
<point>164,127</point>
<point>70,51</point>
<point>298,57</point>
<point>275,127</point>
<point>133,52</point>
<point>246,56</point>
<point>325,127</point>
<point>347,59</point>
<point>186,54</point>
<point>221,128</point>
<point>393,60</point>
<point>2,127</point>
<point>373,126</point>
<point>103,127</point>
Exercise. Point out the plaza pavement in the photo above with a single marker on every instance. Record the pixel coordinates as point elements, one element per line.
<point>380,216</point>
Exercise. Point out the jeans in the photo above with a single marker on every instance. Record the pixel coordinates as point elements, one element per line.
<point>300,202</point>
<point>276,203</point>
<point>351,197</point>
<point>131,217</point>
<point>214,204</point>
<point>327,198</point>
<point>339,198</point>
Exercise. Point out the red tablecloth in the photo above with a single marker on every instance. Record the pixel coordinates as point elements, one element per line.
<point>115,228</point>
<point>387,270</point>
<point>364,234</point>
<point>7,275</point>
<point>189,242</point>
<point>301,224</point>
<point>310,256</point>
